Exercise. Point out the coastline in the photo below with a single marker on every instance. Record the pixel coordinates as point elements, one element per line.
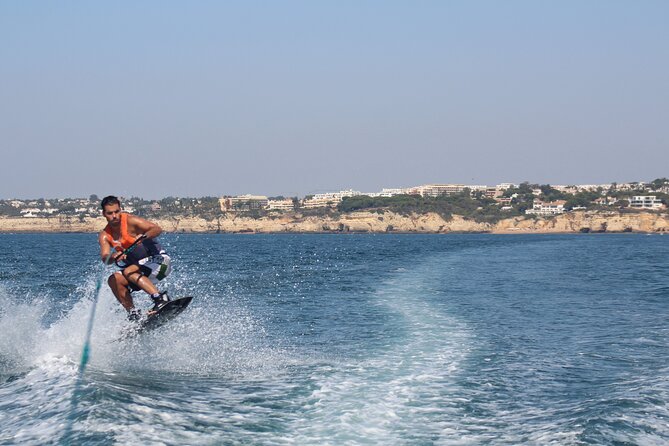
<point>365,222</point>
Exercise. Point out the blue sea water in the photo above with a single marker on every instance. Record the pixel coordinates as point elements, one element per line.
<point>345,340</point>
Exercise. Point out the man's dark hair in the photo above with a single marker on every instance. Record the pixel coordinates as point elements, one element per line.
<point>110,199</point>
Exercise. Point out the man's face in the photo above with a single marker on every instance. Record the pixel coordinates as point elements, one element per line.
<point>112,212</point>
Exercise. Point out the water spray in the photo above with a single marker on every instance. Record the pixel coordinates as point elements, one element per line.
<point>85,353</point>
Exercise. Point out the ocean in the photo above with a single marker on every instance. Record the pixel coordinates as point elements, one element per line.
<point>344,339</point>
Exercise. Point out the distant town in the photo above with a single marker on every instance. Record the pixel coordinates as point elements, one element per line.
<point>478,201</point>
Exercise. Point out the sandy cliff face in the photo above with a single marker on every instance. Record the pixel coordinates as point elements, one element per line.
<point>367,222</point>
<point>50,224</point>
<point>587,222</point>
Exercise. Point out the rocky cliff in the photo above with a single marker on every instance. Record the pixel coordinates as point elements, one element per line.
<point>367,222</point>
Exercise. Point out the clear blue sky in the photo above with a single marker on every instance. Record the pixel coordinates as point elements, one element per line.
<point>159,98</point>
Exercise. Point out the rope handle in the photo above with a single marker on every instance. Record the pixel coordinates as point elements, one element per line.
<point>128,250</point>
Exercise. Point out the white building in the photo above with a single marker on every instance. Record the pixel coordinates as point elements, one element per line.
<point>605,201</point>
<point>637,185</point>
<point>320,202</point>
<point>550,208</point>
<point>434,190</point>
<point>646,202</point>
<point>591,187</point>
<point>566,189</point>
<point>329,199</point>
<point>31,212</point>
<point>281,205</point>
<point>338,195</point>
<point>243,203</point>
<point>389,192</point>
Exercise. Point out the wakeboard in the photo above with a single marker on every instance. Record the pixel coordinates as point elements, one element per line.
<point>162,316</point>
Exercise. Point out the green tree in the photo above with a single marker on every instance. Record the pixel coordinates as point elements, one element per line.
<point>582,199</point>
<point>476,207</point>
<point>9,210</point>
<point>550,194</point>
<point>664,198</point>
<point>659,183</point>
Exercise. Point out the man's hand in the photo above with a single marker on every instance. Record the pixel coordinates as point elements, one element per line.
<point>120,256</point>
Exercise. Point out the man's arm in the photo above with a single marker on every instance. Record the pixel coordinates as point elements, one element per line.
<point>105,248</point>
<point>142,226</point>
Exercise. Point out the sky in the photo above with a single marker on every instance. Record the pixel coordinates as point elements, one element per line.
<point>209,98</point>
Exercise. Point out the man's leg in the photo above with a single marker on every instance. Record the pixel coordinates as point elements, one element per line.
<point>119,286</point>
<point>133,275</point>
<point>142,276</point>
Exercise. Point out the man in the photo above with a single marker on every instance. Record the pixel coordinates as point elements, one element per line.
<point>143,267</point>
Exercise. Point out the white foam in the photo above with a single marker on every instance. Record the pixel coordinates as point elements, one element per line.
<point>20,328</point>
<point>45,359</point>
<point>398,391</point>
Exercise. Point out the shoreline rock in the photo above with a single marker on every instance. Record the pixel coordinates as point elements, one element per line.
<point>365,222</point>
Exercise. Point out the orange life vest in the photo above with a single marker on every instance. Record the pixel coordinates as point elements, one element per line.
<point>126,239</point>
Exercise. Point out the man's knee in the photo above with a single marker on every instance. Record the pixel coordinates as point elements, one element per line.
<point>117,279</point>
<point>132,276</point>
